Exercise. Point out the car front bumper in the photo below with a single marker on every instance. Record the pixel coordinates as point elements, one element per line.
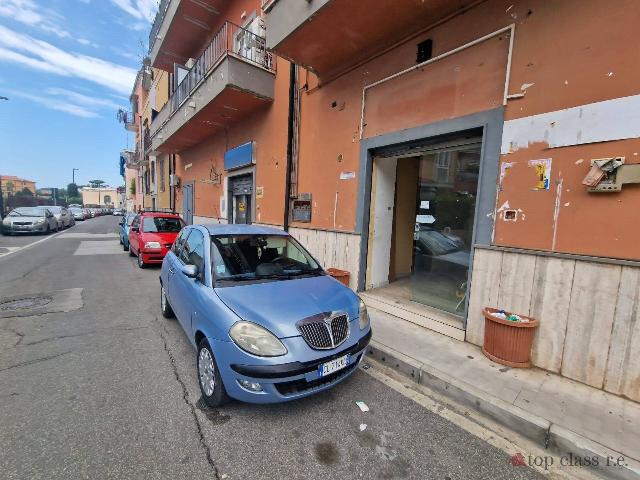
<point>154,255</point>
<point>24,228</point>
<point>286,381</point>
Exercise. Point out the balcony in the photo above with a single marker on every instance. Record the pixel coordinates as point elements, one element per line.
<point>330,36</point>
<point>233,77</point>
<point>180,28</point>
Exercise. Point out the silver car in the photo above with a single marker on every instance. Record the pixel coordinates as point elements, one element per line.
<point>63,216</point>
<point>29,220</point>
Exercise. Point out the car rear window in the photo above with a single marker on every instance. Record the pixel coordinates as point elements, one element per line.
<point>162,225</point>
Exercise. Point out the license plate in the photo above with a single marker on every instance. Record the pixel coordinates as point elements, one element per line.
<point>333,365</point>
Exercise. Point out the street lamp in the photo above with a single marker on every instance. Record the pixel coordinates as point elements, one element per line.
<point>73,175</point>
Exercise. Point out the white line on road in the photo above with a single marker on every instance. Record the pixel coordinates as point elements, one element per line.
<point>19,249</point>
<point>471,422</point>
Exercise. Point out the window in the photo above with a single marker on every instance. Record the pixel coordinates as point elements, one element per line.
<point>250,257</point>
<point>179,243</point>
<point>161,174</point>
<point>193,251</point>
<point>162,225</point>
<point>442,164</point>
<point>107,199</point>
<point>425,51</point>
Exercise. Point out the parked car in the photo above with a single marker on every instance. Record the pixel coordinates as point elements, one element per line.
<point>63,216</point>
<point>123,230</point>
<point>78,213</point>
<point>268,324</point>
<point>29,220</point>
<point>117,212</point>
<point>152,234</point>
<point>87,213</point>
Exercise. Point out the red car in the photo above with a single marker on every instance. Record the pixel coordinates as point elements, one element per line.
<point>151,235</point>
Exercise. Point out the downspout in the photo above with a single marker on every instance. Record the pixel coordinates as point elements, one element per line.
<point>290,133</point>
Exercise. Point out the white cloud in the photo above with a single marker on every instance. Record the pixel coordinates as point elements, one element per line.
<point>53,104</point>
<point>40,55</point>
<point>140,9</point>
<point>69,101</point>
<point>28,13</point>
<point>89,43</point>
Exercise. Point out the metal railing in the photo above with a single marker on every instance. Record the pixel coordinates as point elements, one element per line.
<point>157,22</point>
<point>147,139</point>
<point>230,39</point>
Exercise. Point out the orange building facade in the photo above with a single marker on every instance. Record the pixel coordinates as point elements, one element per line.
<point>434,149</point>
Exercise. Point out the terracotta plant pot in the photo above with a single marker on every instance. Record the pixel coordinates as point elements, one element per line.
<point>506,342</point>
<point>341,275</point>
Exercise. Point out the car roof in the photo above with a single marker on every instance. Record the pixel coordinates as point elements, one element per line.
<point>242,229</point>
<point>159,214</point>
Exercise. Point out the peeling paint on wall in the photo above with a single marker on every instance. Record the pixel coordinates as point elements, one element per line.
<point>504,168</point>
<point>556,212</point>
<point>615,119</point>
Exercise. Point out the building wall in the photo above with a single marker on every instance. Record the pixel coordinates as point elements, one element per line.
<point>17,184</point>
<point>94,196</point>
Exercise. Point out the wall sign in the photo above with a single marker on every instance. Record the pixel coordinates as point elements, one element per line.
<point>240,156</point>
<point>301,211</point>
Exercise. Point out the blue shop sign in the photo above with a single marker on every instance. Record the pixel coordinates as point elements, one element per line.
<point>238,157</point>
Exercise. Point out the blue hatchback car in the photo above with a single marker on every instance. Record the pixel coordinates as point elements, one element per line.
<point>268,323</point>
<point>123,230</point>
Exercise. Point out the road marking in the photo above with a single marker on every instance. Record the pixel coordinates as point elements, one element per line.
<point>473,423</point>
<point>98,248</point>
<point>24,247</point>
<point>89,236</point>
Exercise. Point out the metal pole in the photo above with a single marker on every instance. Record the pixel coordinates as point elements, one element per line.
<point>1,200</point>
<point>73,176</point>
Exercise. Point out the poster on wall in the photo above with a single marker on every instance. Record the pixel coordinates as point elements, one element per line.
<point>543,173</point>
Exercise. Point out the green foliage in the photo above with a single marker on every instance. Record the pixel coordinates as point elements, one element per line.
<point>25,192</point>
<point>77,200</point>
<point>132,186</point>
<point>72,190</point>
<point>96,183</point>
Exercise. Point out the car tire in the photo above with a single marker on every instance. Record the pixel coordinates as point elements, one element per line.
<point>48,230</point>
<point>213,392</point>
<point>131,254</point>
<point>125,247</point>
<point>141,263</point>
<point>165,308</point>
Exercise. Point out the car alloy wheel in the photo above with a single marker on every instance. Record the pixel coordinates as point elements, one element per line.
<point>207,372</point>
<point>211,385</point>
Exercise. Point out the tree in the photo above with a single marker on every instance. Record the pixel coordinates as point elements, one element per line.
<point>25,192</point>
<point>96,183</point>
<point>72,190</point>
<point>9,186</point>
<point>132,187</point>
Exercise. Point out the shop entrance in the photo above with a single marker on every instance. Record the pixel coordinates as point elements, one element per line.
<point>422,212</point>
<point>240,195</point>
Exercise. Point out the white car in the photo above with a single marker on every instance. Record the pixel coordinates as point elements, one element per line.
<point>63,216</point>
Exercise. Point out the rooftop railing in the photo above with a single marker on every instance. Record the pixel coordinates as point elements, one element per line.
<point>157,22</point>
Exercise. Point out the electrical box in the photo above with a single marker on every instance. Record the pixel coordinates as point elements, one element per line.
<point>301,209</point>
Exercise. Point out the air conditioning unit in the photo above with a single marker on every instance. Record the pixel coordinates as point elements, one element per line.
<point>174,180</point>
<point>190,63</point>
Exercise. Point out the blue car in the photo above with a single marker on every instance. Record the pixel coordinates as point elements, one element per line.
<point>269,325</point>
<point>123,230</point>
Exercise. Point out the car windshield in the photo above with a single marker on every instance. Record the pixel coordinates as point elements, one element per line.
<point>28,212</point>
<point>162,225</point>
<point>251,257</point>
<point>436,243</point>
<point>55,209</point>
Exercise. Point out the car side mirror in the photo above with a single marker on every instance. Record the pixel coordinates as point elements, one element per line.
<point>190,271</point>
<point>135,229</point>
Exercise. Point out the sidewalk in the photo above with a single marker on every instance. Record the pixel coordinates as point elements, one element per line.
<point>555,412</point>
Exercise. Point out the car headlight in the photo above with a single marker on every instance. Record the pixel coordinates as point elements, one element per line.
<point>363,316</point>
<point>6,222</point>
<point>39,222</point>
<point>256,340</point>
<point>151,244</point>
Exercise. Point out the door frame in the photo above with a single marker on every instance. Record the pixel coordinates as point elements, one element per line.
<point>491,123</point>
<point>228,197</point>
<point>188,186</point>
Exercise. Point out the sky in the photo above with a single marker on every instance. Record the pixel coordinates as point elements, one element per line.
<point>67,66</point>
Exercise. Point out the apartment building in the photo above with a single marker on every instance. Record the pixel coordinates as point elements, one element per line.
<point>449,154</point>
<point>12,185</point>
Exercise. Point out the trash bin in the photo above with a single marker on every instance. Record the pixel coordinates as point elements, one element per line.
<point>341,275</point>
<point>508,342</point>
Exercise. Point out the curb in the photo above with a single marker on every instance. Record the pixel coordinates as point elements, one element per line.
<point>555,438</point>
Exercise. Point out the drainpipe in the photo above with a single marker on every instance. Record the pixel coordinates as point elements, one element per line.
<point>290,133</point>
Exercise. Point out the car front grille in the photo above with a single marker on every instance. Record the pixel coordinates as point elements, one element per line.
<point>325,331</point>
<point>22,223</point>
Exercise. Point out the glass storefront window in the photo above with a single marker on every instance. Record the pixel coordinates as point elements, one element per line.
<point>447,189</point>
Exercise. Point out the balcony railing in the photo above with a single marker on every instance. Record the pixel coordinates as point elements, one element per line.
<point>146,139</point>
<point>157,21</point>
<point>233,40</point>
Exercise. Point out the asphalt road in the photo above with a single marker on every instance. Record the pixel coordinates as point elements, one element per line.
<point>107,389</point>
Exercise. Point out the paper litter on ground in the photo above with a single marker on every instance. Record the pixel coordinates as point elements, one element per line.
<point>363,427</point>
<point>363,406</point>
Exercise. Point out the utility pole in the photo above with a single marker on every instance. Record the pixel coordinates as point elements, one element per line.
<point>73,175</point>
